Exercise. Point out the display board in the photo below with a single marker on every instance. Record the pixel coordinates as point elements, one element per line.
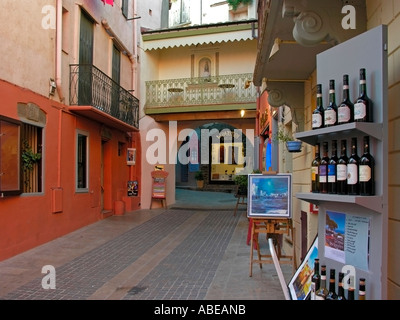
<point>159,186</point>
<point>362,244</point>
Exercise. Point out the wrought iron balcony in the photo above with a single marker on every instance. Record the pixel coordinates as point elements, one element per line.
<point>89,86</point>
<point>202,91</point>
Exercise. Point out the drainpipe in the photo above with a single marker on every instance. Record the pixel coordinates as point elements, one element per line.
<point>58,49</point>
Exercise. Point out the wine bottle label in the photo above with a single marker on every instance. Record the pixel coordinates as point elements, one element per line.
<point>343,114</point>
<point>360,110</point>
<point>314,173</point>
<point>341,172</point>
<point>365,173</point>
<point>330,117</point>
<point>345,87</point>
<point>331,173</point>
<point>316,120</point>
<point>352,174</point>
<point>322,174</point>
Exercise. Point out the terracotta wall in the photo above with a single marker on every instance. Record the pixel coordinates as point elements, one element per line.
<point>29,220</point>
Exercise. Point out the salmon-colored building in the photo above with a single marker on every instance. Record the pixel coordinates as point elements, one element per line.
<point>68,118</point>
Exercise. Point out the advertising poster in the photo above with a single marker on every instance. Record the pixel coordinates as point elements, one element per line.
<point>131,156</point>
<point>300,284</point>
<point>133,188</point>
<point>347,239</point>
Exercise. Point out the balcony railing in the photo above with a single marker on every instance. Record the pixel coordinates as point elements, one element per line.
<point>223,89</point>
<point>89,86</point>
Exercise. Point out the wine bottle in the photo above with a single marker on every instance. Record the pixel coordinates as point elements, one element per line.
<point>332,295</point>
<point>332,173</point>
<point>322,292</point>
<point>331,116</point>
<point>361,290</point>
<point>346,107</point>
<point>363,104</point>
<point>352,169</point>
<point>350,290</point>
<point>315,170</point>
<point>367,171</point>
<point>323,169</point>
<point>340,293</point>
<point>341,169</point>
<point>315,279</point>
<point>318,116</point>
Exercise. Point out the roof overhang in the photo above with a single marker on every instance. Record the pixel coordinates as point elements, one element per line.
<point>199,35</point>
<point>102,117</point>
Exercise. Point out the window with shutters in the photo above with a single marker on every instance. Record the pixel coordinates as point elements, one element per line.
<point>10,157</point>
<point>124,8</point>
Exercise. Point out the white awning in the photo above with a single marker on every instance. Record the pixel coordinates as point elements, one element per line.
<point>202,39</point>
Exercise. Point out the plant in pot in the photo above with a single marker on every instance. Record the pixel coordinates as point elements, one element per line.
<point>242,181</point>
<point>292,144</point>
<point>199,179</point>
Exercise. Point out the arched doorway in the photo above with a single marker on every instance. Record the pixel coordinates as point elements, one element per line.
<point>220,151</point>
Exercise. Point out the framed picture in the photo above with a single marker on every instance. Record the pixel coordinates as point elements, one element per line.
<point>269,196</point>
<point>131,156</point>
<point>300,284</point>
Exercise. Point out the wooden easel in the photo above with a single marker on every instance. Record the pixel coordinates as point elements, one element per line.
<point>272,228</point>
<point>159,187</point>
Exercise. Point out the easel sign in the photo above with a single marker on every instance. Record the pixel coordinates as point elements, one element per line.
<point>159,186</point>
<point>269,196</point>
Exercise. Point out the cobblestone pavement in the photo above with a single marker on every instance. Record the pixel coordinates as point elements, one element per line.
<point>159,254</point>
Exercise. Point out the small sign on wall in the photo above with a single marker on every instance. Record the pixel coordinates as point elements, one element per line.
<point>133,188</point>
<point>131,156</point>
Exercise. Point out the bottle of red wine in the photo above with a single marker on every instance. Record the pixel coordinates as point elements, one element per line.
<point>351,289</point>
<point>341,169</point>
<point>361,289</point>
<point>346,108</point>
<point>323,169</point>
<point>366,171</point>
<point>315,170</point>
<point>352,169</point>
<point>322,292</point>
<point>332,166</point>
<point>331,116</point>
<point>332,295</point>
<point>318,113</point>
<point>340,293</point>
<point>363,104</point>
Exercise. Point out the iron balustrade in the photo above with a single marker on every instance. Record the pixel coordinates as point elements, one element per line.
<point>89,86</point>
<point>213,90</point>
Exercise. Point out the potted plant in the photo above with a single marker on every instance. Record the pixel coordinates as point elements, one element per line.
<point>242,180</point>
<point>292,144</point>
<point>199,179</point>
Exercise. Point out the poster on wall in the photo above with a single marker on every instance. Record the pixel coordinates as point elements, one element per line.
<point>131,157</point>
<point>269,196</point>
<point>133,188</point>
<point>347,239</point>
